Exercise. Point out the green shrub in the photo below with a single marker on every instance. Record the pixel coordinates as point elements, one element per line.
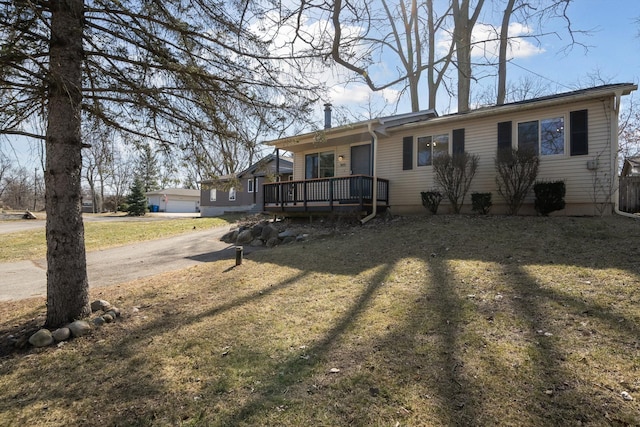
<point>549,196</point>
<point>481,202</point>
<point>431,200</point>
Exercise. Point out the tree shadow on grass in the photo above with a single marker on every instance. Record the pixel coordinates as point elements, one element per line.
<point>434,336</point>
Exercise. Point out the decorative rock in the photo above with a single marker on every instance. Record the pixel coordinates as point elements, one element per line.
<point>117,311</point>
<point>99,321</point>
<point>288,239</point>
<point>274,241</point>
<point>79,328</point>
<point>268,232</point>
<point>100,305</point>
<point>42,338</point>
<point>61,334</point>
<point>287,233</point>
<point>257,243</point>
<point>244,237</point>
<point>112,313</point>
<point>107,318</point>
<point>301,237</point>
<point>256,230</point>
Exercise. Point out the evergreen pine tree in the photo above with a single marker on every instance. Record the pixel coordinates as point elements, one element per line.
<point>136,200</point>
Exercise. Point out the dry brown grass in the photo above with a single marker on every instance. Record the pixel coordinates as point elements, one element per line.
<point>431,321</point>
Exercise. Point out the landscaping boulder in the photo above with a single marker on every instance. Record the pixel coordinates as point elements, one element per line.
<point>256,230</point>
<point>287,233</point>
<point>100,305</point>
<point>288,239</point>
<point>42,338</point>
<point>61,334</point>
<point>269,232</point>
<point>274,241</point>
<point>244,237</point>
<point>79,328</point>
<point>231,236</point>
<point>257,243</point>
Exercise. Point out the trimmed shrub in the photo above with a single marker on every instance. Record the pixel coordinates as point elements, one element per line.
<point>481,202</point>
<point>549,197</point>
<point>431,200</point>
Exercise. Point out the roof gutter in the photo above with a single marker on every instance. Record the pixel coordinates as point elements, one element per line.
<point>614,155</point>
<point>374,190</point>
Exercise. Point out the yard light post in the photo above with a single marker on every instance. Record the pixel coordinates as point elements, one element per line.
<point>239,251</point>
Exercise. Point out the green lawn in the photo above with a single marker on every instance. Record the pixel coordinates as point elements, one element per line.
<point>430,321</point>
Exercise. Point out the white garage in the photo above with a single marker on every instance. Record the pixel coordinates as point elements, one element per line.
<point>174,200</point>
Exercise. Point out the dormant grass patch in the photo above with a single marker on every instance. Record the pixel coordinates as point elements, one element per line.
<point>444,320</point>
<point>31,244</point>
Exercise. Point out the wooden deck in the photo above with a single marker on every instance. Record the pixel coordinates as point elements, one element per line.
<point>325,195</point>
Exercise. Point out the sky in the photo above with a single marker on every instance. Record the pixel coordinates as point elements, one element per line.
<point>613,54</point>
<point>613,46</point>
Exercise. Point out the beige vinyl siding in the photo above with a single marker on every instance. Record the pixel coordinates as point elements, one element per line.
<point>481,139</point>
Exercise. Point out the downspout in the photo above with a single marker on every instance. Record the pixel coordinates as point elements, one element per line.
<point>614,155</point>
<point>374,190</point>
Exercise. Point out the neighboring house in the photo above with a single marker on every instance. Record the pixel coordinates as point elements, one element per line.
<point>574,133</point>
<point>174,200</point>
<point>631,166</point>
<point>243,192</point>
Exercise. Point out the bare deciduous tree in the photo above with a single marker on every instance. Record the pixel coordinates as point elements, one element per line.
<point>134,67</point>
<point>454,174</point>
<point>516,172</point>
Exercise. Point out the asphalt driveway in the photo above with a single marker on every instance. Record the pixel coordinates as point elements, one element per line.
<point>25,279</point>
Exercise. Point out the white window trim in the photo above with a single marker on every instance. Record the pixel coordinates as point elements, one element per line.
<point>252,187</point>
<point>213,194</point>
<point>232,195</point>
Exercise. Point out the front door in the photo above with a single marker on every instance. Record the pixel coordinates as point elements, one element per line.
<point>361,160</point>
<point>361,165</point>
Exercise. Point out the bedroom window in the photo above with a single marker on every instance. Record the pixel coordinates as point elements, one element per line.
<point>545,137</point>
<point>250,187</point>
<point>430,147</point>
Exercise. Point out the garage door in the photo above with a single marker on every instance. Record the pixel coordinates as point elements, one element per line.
<point>181,206</point>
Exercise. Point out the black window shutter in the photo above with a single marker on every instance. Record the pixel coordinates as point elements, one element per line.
<point>504,135</point>
<point>458,141</point>
<point>407,153</point>
<point>579,140</point>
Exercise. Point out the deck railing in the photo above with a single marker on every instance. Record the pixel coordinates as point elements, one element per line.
<point>325,193</point>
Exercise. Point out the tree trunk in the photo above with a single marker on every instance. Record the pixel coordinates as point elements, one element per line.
<point>502,58</point>
<point>462,31</point>
<point>67,282</point>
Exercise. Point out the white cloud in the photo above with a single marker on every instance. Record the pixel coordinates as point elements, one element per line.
<point>486,42</point>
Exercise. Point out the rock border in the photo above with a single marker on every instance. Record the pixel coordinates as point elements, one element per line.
<point>44,337</point>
